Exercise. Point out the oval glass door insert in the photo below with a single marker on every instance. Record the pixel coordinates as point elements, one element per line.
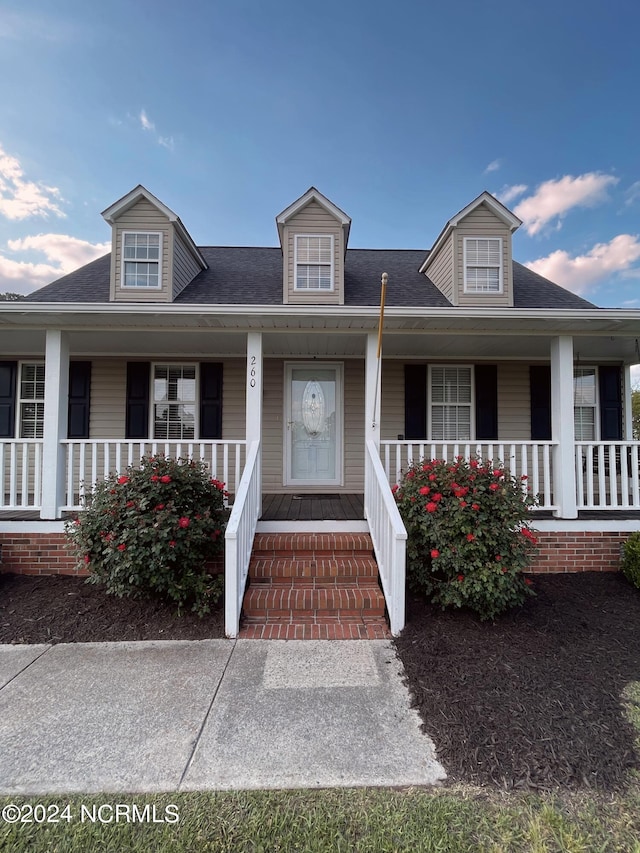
<point>313,407</point>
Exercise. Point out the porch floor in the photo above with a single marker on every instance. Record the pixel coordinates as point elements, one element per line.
<point>312,507</point>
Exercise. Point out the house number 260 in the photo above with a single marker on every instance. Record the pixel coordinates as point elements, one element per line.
<point>252,372</point>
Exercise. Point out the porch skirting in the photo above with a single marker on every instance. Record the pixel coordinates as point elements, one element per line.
<point>562,551</point>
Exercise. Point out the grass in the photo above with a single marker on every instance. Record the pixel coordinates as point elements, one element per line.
<point>375,820</point>
<point>459,819</point>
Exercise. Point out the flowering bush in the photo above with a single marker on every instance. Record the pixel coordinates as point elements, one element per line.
<point>151,530</point>
<point>468,536</point>
<point>631,559</point>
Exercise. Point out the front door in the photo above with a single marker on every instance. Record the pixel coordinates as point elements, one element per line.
<point>313,425</point>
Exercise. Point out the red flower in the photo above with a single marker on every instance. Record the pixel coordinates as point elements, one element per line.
<point>494,486</point>
<point>159,506</point>
<point>425,490</point>
<point>410,475</point>
<point>475,506</point>
<point>426,467</point>
<point>470,537</point>
<point>437,496</point>
<point>460,578</point>
<point>121,546</point>
<point>528,582</point>
<point>498,557</point>
<point>165,478</point>
<point>172,543</point>
<point>183,522</point>
<point>432,477</point>
<point>524,477</point>
<point>435,553</point>
<point>130,504</point>
<point>76,521</point>
<point>497,473</point>
<point>431,507</point>
<point>86,559</point>
<point>122,480</point>
<point>504,570</point>
<point>473,463</point>
<point>395,488</point>
<point>463,504</point>
<point>154,478</point>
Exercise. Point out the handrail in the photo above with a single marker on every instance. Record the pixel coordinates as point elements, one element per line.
<point>238,537</point>
<point>388,534</point>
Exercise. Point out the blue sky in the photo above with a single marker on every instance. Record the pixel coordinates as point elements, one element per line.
<point>401,113</point>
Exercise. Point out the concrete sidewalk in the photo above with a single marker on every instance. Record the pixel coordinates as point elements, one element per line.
<point>208,715</point>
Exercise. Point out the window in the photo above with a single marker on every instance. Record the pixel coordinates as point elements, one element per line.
<point>584,403</point>
<point>450,403</point>
<point>314,262</point>
<point>174,402</point>
<point>483,264</point>
<point>31,401</point>
<point>141,255</point>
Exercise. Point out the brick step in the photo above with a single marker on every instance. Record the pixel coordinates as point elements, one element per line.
<point>333,602</point>
<point>312,545</point>
<point>352,569</point>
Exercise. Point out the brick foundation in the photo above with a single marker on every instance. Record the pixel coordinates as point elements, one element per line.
<point>47,553</point>
<point>577,552</point>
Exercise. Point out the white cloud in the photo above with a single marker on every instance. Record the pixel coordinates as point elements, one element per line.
<point>632,195</point>
<point>584,271</point>
<point>552,200</point>
<point>63,254</point>
<point>145,121</point>
<point>19,198</point>
<point>507,194</point>
<point>635,376</point>
<point>493,166</point>
<point>166,142</point>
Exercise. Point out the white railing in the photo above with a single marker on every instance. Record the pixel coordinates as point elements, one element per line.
<point>89,460</point>
<point>530,459</point>
<point>21,473</point>
<point>388,535</point>
<point>238,539</point>
<point>608,474</point>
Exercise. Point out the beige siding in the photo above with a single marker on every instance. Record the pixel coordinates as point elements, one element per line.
<point>185,266</point>
<point>272,412</point>
<point>481,222</point>
<point>441,272</point>
<point>143,216</point>
<point>313,219</point>
<point>392,391</point>
<point>234,375</point>
<point>354,426</point>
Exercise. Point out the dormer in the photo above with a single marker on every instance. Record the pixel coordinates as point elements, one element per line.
<point>471,261</point>
<point>313,236</point>
<point>153,257</point>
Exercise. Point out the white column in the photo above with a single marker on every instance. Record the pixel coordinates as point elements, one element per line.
<point>562,427</point>
<point>56,402</point>
<point>253,410</point>
<point>372,391</point>
<point>627,403</point>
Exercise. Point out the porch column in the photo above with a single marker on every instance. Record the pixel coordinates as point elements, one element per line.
<point>372,395</point>
<point>253,406</point>
<point>562,427</point>
<point>627,403</point>
<point>56,402</point>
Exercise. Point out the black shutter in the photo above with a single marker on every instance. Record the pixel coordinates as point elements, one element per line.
<point>486,380</point>
<point>8,370</point>
<point>540,390</point>
<point>415,401</point>
<point>79,399</point>
<point>610,381</point>
<point>210,400</point>
<point>138,377</point>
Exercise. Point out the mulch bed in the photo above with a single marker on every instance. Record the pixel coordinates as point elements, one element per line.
<point>532,701</point>
<point>59,609</point>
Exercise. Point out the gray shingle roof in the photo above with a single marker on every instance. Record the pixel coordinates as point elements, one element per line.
<point>253,276</point>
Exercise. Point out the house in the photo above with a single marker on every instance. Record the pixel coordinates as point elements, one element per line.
<point>265,362</point>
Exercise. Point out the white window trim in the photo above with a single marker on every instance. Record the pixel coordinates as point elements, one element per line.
<point>331,265</point>
<point>596,405</point>
<point>471,291</point>
<point>430,404</point>
<point>20,400</point>
<point>152,402</point>
<point>123,260</point>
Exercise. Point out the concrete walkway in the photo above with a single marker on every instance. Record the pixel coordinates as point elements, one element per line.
<point>209,715</point>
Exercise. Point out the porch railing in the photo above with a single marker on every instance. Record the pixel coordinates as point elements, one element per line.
<point>238,537</point>
<point>608,474</point>
<point>531,459</point>
<point>20,474</point>
<point>388,535</point>
<point>89,460</point>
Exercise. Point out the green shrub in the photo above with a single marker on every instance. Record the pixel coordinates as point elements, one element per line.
<point>468,536</point>
<point>631,559</point>
<point>151,531</point>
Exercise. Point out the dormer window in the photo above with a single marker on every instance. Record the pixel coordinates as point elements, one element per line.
<point>141,253</point>
<point>483,264</point>
<point>313,262</point>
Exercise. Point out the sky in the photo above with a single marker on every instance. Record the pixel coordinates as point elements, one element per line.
<point>400,113</point>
